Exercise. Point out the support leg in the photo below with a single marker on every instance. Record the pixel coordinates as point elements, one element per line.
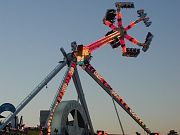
<point>101,81</point>
<point>35,91</point>
<point>60,94</point>
<point>81,96</point>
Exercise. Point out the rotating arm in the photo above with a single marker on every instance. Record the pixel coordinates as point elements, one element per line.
<point>111,25</point>
<point>84,52</point>
<point>119,17</point>
<point>101,81</point>
<point>123,44</point>
<point>102,42</point>
<point>133,24</point>
<point>133,40</point>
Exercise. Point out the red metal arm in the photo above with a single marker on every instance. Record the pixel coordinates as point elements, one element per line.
<point>111,25</point>
<point>102,82</point>
<point>133,24</point>
<point>60,95</point>
<point>123,45</point>
<point>133,40</point>
<point>102,42</point>
<point>119,18</point>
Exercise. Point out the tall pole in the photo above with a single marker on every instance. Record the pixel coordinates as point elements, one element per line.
<point>81,96</point>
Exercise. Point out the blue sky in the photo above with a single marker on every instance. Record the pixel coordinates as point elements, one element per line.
<point>31,33</point>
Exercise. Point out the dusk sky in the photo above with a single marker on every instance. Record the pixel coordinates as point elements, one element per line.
<point>32,32</point>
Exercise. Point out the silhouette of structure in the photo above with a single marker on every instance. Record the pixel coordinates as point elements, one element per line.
<point>58,121</point>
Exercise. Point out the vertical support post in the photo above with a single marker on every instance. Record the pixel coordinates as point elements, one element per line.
<point>81,96</point>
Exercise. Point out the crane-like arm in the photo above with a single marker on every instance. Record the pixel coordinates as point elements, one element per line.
<point>102,42</point>
<point>84,52</point>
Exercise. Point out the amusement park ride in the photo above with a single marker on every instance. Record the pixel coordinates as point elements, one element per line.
<point>80,55</point>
